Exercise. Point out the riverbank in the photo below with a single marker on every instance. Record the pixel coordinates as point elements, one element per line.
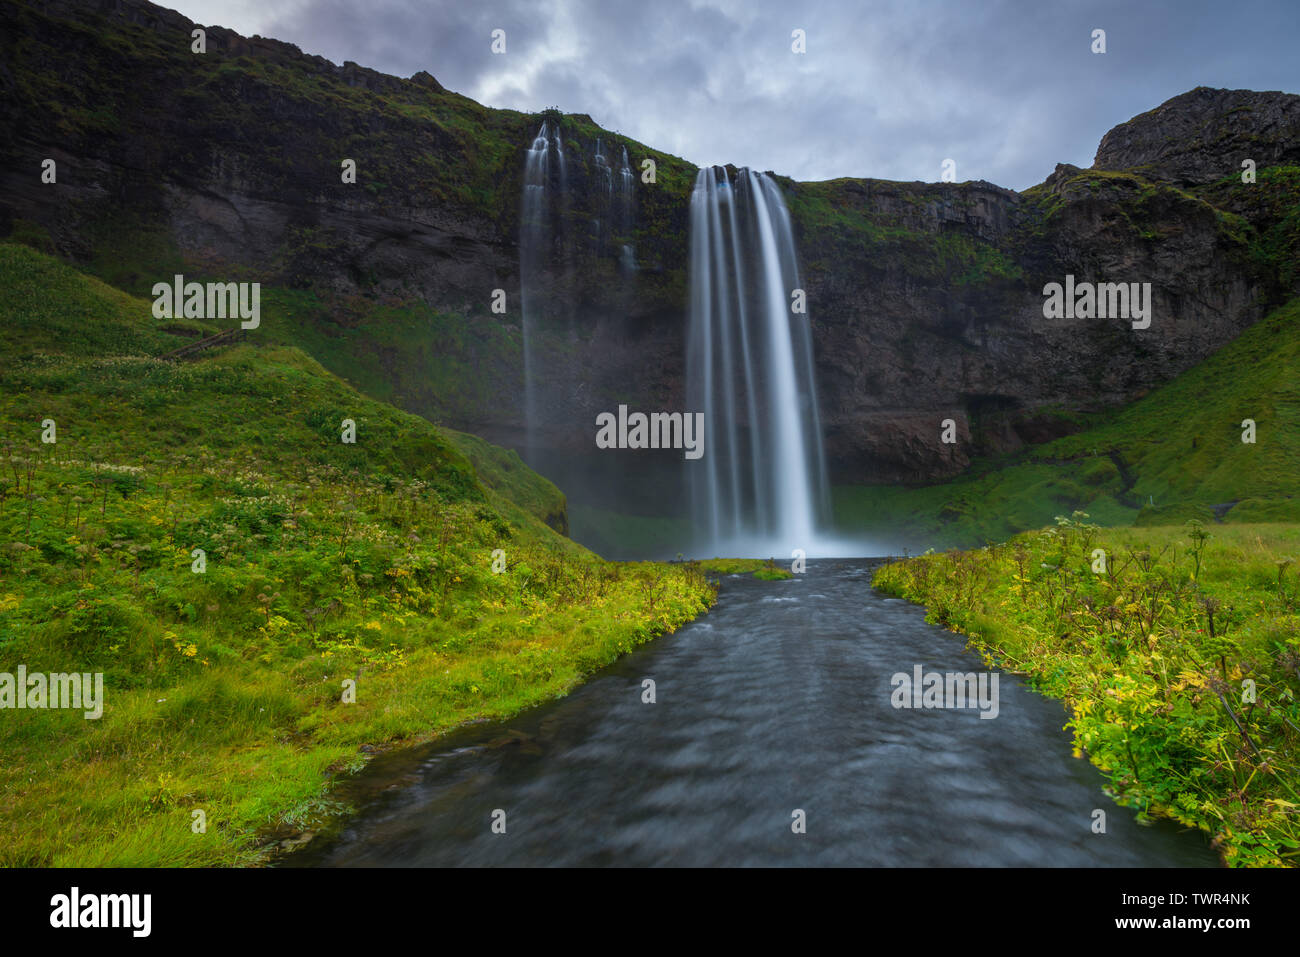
<point>220,735</point>
<point>1175,649</point>
<point>270,575</point>
<point>714,747</point>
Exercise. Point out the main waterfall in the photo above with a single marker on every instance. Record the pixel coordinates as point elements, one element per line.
<point>761,485</point>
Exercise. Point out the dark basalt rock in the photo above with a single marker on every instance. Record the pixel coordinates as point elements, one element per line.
<point>1203,135</point>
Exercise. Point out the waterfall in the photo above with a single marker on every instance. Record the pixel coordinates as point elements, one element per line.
<point>614,204</point>
<point>543,212</point>
<point>624,203</point>
<point>534,243</point>
<point>603,201</point>
<point>761,485</point>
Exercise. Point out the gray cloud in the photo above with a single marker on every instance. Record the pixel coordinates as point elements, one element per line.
<point>887,89</point>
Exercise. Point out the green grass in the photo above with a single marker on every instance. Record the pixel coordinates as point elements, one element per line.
<point>1183,442</point>
<point>514,486</point>
<point>1153,638</point>
<point>441,365</point>
<point>764,569</point>
<point>372,562</point>
<point>48,307</point>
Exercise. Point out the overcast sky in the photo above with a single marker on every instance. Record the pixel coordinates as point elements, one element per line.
<point>1006,88</point>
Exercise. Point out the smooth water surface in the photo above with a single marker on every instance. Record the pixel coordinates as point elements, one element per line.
<point>778,699</point>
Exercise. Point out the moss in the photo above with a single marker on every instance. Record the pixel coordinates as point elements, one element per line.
<point>1176,514</point>
<point>31,234</point>
<point>1101,471</point>
<point>1259,511</point>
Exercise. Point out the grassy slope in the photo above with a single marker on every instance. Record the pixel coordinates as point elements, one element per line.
<point>1151,655</point>
<point>325,561</point>
<point>1179,447</point>
<point>516,490</point>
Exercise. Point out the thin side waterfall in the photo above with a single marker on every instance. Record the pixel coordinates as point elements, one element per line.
<point>534,241</point>
<point>559,155</point>
<point>624,204</point>
<point>614,204</point>
<point>761,486</point>
<point>604,198</point>
<point>545,196</point>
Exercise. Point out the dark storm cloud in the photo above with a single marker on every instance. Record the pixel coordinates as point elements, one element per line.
<point>448,38</point>
<point>887,89</point>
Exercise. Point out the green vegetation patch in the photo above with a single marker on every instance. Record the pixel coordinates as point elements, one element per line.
<point>200,534</point>
<point>1176,651</point>
<point>1176,453</point>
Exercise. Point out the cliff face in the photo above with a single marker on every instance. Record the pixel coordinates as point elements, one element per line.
<point>925,299</point>
<point>1203,135</point>
<point>938,311</point>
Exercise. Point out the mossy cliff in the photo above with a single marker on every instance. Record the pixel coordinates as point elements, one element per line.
<point>925,299</point>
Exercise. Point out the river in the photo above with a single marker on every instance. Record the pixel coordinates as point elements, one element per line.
<point>776,701</point>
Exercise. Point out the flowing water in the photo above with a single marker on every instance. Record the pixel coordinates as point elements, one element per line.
<point>761,485</point>
<point>624,206</point>
<point>778,699</point>
<point>535,234</point>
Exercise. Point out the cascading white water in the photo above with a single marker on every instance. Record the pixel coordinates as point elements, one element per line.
<point>625,178</point>
<point>534,243</point>
<point>603,201</point>
<point>624,203</point>
<point>564,170</point>
<point>761,485</point>
<point>543,241</point>
<point>614,204</point>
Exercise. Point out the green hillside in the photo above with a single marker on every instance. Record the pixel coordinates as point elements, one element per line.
<point>1175,454</point>
<point>324,561</point>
